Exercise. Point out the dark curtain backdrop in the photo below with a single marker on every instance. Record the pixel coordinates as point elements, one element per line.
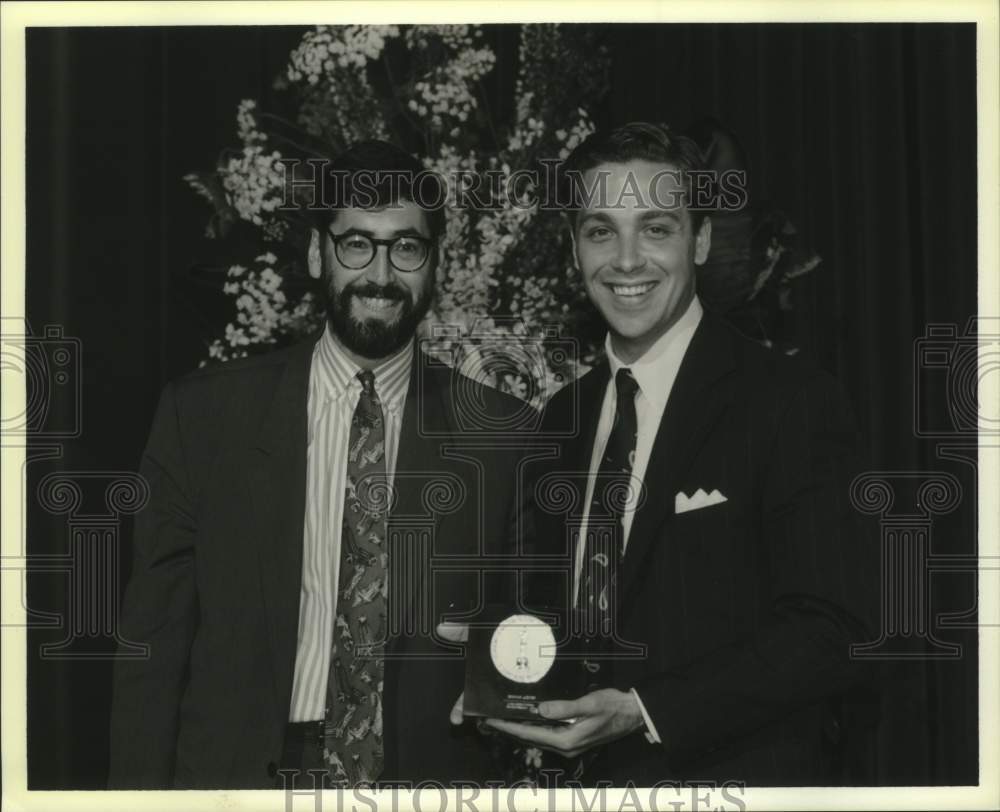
<point>864,134</point>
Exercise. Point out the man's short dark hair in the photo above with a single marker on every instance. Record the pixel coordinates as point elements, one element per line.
<point>636,141</point>
<point>376,174</point>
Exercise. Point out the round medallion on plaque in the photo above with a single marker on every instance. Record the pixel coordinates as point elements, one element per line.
<point>523,648</point>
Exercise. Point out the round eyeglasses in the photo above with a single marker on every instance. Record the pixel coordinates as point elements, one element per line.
<point>356,251</point>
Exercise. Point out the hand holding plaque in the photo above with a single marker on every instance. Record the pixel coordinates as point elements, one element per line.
<point>513,663</point>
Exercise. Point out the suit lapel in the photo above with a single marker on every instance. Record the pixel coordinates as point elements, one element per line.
<point>577,417</point>
<point>426,426</point>
<point>696,404</point>
<point>277,484</point>
<point>591,398</point>
<point>412,525</point>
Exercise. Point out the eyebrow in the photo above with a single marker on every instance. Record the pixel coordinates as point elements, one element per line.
<point>646,216</point>
<point>595,215</point>
<point>654,214</point>
<point>401,232</point>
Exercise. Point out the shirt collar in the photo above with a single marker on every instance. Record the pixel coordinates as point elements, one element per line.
<point>656,369</point>
<point>336,374</point>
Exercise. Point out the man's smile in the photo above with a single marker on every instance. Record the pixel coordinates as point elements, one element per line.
<point>378,304</point>
<point>631,291</point>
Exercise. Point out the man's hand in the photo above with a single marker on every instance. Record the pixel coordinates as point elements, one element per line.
<point>597,718</point>
<point>456,633</point>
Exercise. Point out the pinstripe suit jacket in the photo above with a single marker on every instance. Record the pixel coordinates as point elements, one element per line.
<point>217,570</point>
<point>747,608</point>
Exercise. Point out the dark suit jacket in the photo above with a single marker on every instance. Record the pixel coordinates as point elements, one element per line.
<point>747,608</point>
<point>217,572</point>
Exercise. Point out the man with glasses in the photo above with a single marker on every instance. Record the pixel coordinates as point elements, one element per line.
<point>283,578</point>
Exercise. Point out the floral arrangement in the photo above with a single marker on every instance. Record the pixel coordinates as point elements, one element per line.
<point>507,292</point>
<point>505,281</point>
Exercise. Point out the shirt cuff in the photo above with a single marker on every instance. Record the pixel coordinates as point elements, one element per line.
<point>651,735</point>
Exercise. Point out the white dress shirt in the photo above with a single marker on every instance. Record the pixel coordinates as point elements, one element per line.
<point>334,390</point>
<point>655,372</point>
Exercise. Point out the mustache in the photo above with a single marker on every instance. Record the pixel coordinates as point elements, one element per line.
<point>371,290</point>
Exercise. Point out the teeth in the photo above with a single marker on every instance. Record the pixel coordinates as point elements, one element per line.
<point>632,290</point>
<point>377,303</point>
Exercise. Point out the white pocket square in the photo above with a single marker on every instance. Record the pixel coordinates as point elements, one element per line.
<point>683,503</point>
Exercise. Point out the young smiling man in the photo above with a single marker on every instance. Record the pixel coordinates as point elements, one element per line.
<point>727,587</point>
<point>275,573</point>
<point>637,246</point>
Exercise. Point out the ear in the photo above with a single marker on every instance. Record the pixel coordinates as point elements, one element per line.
<point>314,256</point>
<point>703,242</point>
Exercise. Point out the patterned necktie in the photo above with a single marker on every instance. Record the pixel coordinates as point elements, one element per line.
<point>605,533</point>
<point>353,721</point>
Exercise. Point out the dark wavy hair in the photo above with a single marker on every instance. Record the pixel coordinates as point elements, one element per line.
<point>375,174</point>
<point>636,141</point>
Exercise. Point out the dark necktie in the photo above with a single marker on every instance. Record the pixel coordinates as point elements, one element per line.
<point>353,721</point>
<point>605,533</point>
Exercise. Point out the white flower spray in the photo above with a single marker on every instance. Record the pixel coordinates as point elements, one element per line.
<point>492,310</point>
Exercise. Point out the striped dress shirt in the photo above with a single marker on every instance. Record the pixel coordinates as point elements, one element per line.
<point>334,390</point>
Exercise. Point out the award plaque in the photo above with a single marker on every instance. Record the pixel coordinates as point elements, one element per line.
<point>512,663</point>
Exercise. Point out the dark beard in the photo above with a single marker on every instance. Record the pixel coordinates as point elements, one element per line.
<point>373,338</point>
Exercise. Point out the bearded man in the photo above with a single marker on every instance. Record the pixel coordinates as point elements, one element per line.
<point>282,575</point>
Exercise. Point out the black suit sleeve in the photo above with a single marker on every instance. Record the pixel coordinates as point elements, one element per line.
<point>160,610</point>
<point>821,591</point>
